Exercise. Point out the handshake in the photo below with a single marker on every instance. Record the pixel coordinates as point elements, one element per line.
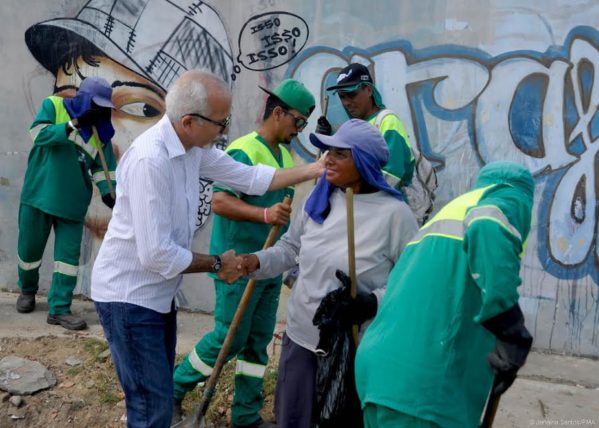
<point>235,266</point>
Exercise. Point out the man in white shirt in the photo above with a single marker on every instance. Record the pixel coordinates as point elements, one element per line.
<point>147,245</point>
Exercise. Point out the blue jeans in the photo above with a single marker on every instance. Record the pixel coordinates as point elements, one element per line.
<point>142,343</point>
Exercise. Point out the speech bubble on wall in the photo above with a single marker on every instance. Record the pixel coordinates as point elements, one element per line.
<point>270,40</point>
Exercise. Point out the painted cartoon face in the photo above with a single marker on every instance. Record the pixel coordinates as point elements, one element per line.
<point>139,104</point>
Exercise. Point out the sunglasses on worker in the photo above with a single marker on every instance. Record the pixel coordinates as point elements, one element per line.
<point>223,123</point>
<point>300,122</point>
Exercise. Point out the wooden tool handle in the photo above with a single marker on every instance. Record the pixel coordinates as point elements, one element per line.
<point>325,107</point>
<point>491,407</point>
<point>104,164</point>
<point>351,251</point>
<point>241,308</point>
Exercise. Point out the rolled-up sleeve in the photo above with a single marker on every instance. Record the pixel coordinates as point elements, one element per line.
<point>224,170</point>
<point>151,218</point>
<point>284,254</point>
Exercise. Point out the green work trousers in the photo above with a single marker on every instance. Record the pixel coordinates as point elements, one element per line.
<point>376,416</point>
<point>34,229</point>
<point>253,336</point>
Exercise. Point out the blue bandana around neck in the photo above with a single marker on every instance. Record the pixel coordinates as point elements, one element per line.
<point>318,204</point>
<point>81,103</point>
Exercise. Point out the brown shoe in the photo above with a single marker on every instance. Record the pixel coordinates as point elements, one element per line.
<point>68,321</point>
<point>25,303</point>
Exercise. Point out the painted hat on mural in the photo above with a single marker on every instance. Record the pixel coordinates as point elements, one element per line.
<point>352,78</point>
<point>295,95</point>
<point>158,39</point>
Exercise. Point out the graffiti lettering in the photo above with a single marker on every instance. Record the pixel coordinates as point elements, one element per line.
<point>270,40</point>
<point>539,109</point>
<point>268,24</point>
<point>276,38</point>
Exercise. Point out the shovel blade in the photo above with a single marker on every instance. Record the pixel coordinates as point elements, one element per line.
<point>196,420</point>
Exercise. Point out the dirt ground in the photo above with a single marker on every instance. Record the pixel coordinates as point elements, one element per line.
<point>88,395</point>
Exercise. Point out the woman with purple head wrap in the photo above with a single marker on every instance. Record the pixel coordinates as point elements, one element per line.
<point>369,153</point>
<point>317,240</point>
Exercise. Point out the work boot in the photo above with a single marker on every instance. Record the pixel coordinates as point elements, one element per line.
<point>177,412</point>
<point>25,303</point>
<point>260,423</point>
<point>68,321</point>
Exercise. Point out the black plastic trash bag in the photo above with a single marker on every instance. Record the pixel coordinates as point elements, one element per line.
<point>336,401</point>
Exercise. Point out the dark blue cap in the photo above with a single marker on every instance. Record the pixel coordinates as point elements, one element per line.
<point>99,89</point>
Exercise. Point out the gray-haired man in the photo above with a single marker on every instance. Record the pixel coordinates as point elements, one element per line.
<point>147,245</point>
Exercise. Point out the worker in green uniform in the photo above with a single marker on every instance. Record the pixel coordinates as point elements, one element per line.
<point>450,320</point>
<point>57,190</point>
<point>242,223</point>
<point>407,169</point>
<point>362,100</point>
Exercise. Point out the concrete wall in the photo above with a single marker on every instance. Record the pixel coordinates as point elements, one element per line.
<point>473,80</point>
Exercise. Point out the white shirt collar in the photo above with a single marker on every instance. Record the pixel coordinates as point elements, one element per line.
<point>173,144</point>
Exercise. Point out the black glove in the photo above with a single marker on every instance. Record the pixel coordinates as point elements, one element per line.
<point>512,347</point>
<point>339,306</point>
<point>104,113</point>
<point>323,126</point>
<point>358,310</point>
<point>89,117</point>
<point>338,310</point>
<point>108,200</point>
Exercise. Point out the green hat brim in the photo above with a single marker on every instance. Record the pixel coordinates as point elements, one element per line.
<point>378,99</point>
<point>294,95</point>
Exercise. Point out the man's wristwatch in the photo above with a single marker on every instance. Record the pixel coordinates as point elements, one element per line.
<point>217,265</point>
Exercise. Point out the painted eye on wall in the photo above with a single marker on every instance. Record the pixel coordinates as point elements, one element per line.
<point>140,109</point>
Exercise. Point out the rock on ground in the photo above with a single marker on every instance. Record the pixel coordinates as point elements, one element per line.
<point>24,377</point>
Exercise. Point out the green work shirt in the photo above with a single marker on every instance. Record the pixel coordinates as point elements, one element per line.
<point>60,169</point>
<point>401,160</point>
<point>425,352</point>
<point>247,236</point>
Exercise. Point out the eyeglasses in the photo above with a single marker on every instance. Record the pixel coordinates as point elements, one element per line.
<point>300,122</point>
<point>223,124</point>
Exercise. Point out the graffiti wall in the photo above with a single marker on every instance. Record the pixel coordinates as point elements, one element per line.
<point>473,81</point>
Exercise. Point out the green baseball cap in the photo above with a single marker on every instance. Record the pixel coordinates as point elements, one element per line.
<point>295,95</point>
